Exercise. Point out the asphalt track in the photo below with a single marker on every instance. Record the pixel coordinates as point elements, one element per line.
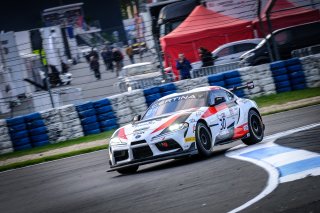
<point>217,184</point>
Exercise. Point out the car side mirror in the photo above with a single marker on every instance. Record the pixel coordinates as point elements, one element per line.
<point>215,57</point>
<point>217,101</point>
<point>136,118</point>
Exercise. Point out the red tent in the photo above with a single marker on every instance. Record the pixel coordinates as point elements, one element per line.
<point>286,18</point>
<point>203,28</point>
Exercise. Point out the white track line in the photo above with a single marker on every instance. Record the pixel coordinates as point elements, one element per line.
<point>273,180</point>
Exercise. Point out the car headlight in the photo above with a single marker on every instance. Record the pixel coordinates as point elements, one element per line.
<point>176,127</point>
<point>116,141</point>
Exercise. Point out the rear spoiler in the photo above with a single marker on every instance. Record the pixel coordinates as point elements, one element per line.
<point>249,85</point>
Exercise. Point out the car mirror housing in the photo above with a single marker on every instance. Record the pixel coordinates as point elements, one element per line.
<point>136,118</point>
<point>217,101</point>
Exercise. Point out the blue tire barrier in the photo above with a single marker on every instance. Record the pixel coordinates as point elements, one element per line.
<point>297,81</point>
<point>32,117</point>
<point>299,74</point>
<point>284,89</point>
<point>35,124</point>
<point>92,132</point>
<point>87,113</point>
<point>38,138</point>
<point>168,93</point>
<point>292,61</point>
<point>17,128</point>
<point>282,84</point>
<point>21,141</point>
<point>277,65</point>
<point>84,107</point>
<point>295,68</point>
<point>18,135</point>
<point>15,121</point>
<point>231,74</point>
<point>89,120</point>
<point>106,116</point>
<point>40,143</point>
<point>299,86</point>
<point>101,103</point>
<point>38,131</point>
<point>90,127</point>
<point>239,93</point>
<point>281,71</point>
<point>104,109</point>
<point>167,87</point>
<point>104,129</point>
<point>215,78</point>
<point>151,91</point>
<point>218,83</point>
<point>23,147</point>
<point>280,78</point>
<point>106,123</point>
<point>152,98</point>
<point>233,81</point>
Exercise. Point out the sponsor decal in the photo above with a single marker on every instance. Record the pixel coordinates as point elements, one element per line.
<point>138,136</point>
<point>241,131</point>
<point>190,139</point>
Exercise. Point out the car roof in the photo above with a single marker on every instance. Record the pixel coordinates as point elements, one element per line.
<point>200,89</point>
<point>253,41</point>
<point>136,65</point>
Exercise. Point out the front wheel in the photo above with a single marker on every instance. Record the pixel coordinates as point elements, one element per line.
<point>128,170</point>
<point>256,128</point>
<point>203,140</point>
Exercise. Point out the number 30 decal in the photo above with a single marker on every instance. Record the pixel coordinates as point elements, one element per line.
<point>223,123</point>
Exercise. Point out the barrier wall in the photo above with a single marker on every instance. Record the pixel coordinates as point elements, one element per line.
<point>70,121</point>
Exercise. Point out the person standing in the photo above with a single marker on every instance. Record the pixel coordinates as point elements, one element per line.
<point>106,55</point>
<point>206,57</point>
<point>129,52</point>
<point>118,58</point>
<point>95,67</point>
<point>184,67</point>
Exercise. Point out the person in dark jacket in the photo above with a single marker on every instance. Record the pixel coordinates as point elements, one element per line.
<point>95,67</point>
<point>107,57</point>
<point>184,67</point>
<point>118,58</point>
<point>206,57</point>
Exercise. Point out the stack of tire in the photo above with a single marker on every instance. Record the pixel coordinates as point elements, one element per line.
<point>233,79</point>
<point>152,94</point>
<point>167,89</point>
<point>71,124</point>
<point>183,85</point>
<point>104,115</point>
<point>37,130</point>
<point>250,74</point>
<point>280,76</point>
<point>5,142</point>
<point>88,118</point>
<point>311,67</point>
<point>54,125</point>
<point>296,74</point>
<point>137,102</point>
<point>216,80</point>
<point>19,133</point>
<point>120,105</point>
<point>198,82</point>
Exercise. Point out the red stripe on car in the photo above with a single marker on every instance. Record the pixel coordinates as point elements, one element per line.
<point>240,131</point>
<point>122,134</point>
<point>213,110</point>
<point>166,124</point>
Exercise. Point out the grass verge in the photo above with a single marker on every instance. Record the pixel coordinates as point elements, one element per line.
<point>50,158</point>
<point>37,150</point>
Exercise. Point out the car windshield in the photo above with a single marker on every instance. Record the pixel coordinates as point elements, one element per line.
<point>177,103</point>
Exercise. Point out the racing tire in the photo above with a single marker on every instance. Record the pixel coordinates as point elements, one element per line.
<point>128,170</point>
<point>203,139</point>
<point>256,129</point>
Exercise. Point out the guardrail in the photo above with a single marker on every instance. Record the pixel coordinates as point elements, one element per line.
<point>205,71</point>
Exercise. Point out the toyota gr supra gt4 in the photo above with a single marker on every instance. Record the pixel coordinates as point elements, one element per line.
<point>184,124</point>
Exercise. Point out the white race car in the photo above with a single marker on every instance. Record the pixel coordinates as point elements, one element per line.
<point>184,124</point>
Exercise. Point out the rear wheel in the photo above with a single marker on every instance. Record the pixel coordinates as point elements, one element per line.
<point>256,128</point>
<point>128,170</point>
<point>203,140</point>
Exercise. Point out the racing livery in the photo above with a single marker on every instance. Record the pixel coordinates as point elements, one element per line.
<point>184,124</point>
